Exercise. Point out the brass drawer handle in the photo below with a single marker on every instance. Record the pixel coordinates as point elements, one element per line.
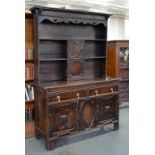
<point>96,92</point>
<point>112,89</point>
<point>58,97</point>
<point>78,95</point>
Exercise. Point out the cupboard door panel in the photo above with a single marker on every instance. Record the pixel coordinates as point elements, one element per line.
<point>62,118</point>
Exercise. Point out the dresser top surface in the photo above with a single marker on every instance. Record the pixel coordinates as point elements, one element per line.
<point>75,83</point>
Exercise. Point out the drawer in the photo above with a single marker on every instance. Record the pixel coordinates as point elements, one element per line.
<point>69,95</point>
<point>102,90</point>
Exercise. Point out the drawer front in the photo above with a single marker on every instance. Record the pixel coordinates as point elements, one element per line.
<point>101,90</point>
<point>63,96</point>
<point>62,118</point>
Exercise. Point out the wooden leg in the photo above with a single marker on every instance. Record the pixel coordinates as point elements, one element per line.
<point>116,126</point>
<point>49,145</point>
<point>37,134</point>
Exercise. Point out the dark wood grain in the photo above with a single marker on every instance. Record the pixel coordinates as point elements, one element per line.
<point>72,92</point>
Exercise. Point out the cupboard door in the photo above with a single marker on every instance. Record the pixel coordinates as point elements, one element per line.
<point>110,107</point>
<point>97,111</point>
<point>62,118</point>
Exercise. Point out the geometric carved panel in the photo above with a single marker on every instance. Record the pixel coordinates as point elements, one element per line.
<point>86,114</point>
<point>63,117</point>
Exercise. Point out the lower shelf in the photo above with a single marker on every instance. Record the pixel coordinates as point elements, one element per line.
<point>29,129</point>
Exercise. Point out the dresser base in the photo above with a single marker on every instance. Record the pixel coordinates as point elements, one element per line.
<point>73,138</point>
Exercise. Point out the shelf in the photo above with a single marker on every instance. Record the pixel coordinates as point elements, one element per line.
<point>124,68</point>
<point>29,105</point>
<point>27,102</point>
<point>123,80</point>
<point>29,129</point>
<point>97,57</point>
<point>29,80</point>
<point>29,60</point>
<point>68,38</point>
<point>54,59</point>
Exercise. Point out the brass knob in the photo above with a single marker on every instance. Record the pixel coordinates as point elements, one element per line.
<point>58,97</point>
<point>112,90</point>
<point>78,95</point>
<point>96,92</point>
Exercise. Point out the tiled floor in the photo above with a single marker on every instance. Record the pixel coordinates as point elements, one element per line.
<point>111,143</point>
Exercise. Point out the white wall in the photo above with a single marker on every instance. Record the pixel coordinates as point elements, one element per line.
<point>117,28</point>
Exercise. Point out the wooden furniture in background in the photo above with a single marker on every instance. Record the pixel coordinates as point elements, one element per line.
<point>29,70</point>
<point>118,65</point>
<point>72,93</point>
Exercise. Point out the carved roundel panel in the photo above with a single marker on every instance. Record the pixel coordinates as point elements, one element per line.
<point>76,68</point>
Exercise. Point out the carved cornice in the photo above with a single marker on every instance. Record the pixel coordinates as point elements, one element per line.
<point>67,16</point>
<point>72,20</point>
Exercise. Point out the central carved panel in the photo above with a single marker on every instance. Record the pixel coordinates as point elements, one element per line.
<point>86,114</point>
<point>75,48</point>
<point>76,68</point>
<point>75,59</point>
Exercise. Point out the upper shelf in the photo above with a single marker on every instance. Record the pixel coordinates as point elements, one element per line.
<point>54,59</point>
<point>96,57</point>
<point>67,38</point>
